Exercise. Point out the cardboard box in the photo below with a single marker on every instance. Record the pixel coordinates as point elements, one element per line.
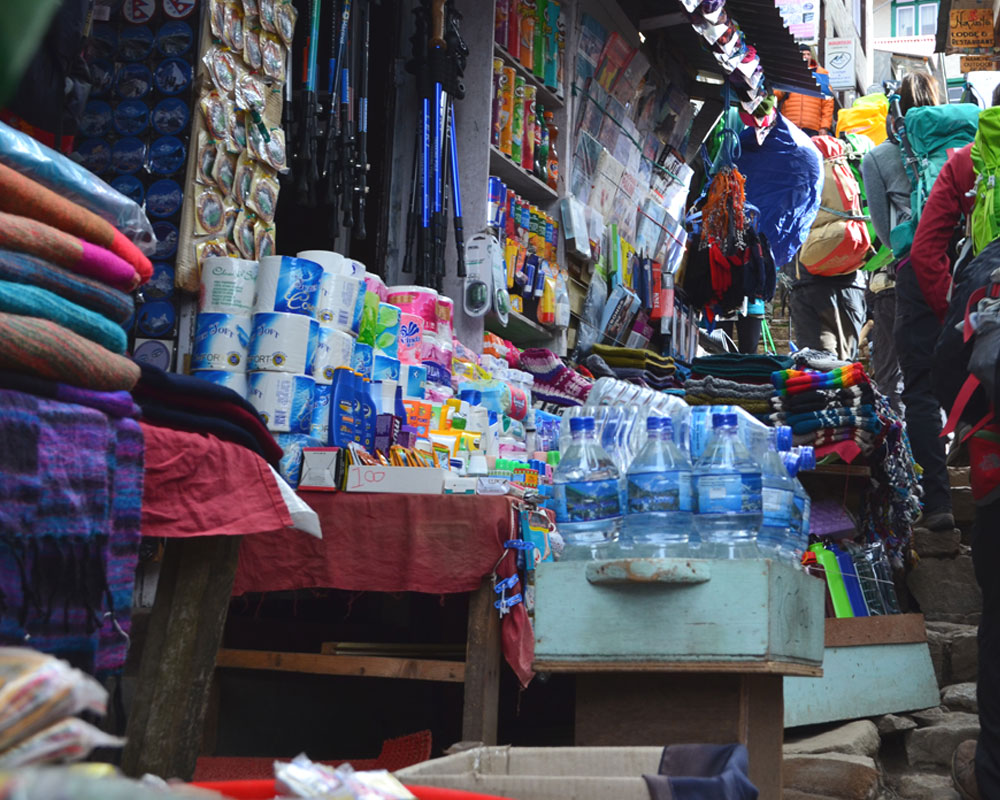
<point>321,469</point>
<point>542,773</point>
<point>395,480</point>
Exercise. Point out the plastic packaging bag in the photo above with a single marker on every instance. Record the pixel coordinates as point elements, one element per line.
<point>64,176</point>
<point>303,778</point>
<point>590,319</point>
<point>70,739</point>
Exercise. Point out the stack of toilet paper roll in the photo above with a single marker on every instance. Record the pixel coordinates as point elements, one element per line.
<point>433,314</point>
<point>222,329</point>
<point>283,341</point>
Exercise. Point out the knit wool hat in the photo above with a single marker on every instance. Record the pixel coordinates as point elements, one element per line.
<point>554,381</point>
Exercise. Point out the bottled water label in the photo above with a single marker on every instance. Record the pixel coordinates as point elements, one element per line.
<point>777,506</point>
<point>587,501</point>
<point>728,493</point>
<point>656,492</point>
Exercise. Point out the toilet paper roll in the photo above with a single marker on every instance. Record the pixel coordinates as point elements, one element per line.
<point>283,343</point>
<point>237,381</point>
<point>287,285</point>
<point>334,349</point>
<point>220,342</point>
<point>413,379</point>
<point>363,359</point>
<point>338,301</point>
<point>283,401</point>
<point>330,261</point>
<point>320,426</point>
<point>228,286</point>
<point>385,368</point>
<point>417,300</point>
<point>411,335</point>
<point>354,267</point>
<point>445,311</point>
<point>387,323</point>
<point>374,284</point>
<point>291,444</point>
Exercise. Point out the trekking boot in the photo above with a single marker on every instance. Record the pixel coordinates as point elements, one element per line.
<point>936,521</point>
<point>963,770</point>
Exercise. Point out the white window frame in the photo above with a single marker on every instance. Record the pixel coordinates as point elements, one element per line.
<point>919,26</point>
<point>912,10</point>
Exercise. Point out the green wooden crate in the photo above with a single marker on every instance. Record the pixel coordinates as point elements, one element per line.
<point>740,615</point>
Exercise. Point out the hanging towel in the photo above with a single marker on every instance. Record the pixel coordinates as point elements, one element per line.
<point>19,194</point>
<point>42,348</point>
<point>38,239</point>
<point>18,298</point>
<point>22,268</point>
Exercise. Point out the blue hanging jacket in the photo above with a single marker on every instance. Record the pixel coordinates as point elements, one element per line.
<point>784,179</point>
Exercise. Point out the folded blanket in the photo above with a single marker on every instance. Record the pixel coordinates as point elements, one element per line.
<point>38,239</point>
<point>635,358</point>
<point>818,399</point>
<point>793,381</point>
<point>167,417</point>
<point>648,378</point>
<point>858,409</point>
<point>712,385</point>
<point>757,406</point>
<point>43,348</point>
<point>740,366</point>
<point>22,268</point>
<point>18,298</point>
<point>114,404</point>
<point>598,367</point>
<point>19,194</point>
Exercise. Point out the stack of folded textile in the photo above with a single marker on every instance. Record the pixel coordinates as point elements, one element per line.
<point>555,383</point>
<point>641,367</point>
<point>734,379</point>
<point>71,464</point>
<point>739,367</point>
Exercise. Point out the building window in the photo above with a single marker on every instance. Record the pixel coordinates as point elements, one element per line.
<point>928,19</point>
<point>904,20</point>
<point>914,19</point>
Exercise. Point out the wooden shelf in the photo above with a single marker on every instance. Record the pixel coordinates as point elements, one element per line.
<point>520,330</point>
<point>545,96</point>
<point>520,180</point>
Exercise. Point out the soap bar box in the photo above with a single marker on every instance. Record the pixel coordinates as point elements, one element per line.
<point>322,469</point>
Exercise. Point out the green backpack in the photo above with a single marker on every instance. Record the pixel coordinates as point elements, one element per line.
<point>986,162</point>
<point>928,134</point>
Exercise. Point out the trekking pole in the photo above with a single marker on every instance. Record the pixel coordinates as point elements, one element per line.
<point>347,135</point>
<point>411,217</point>
<point>338,41</point>
<point>361,165</point>
<point>438,66</point>
<point>308,173</point>
<point>456,192</point>
<point>288,115</point>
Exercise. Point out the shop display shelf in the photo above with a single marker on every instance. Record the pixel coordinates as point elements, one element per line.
<point>520,180</point>
<point>520,330</point>
<point>546,97</point>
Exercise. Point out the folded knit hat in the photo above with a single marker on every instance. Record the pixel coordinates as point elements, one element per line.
<point>554,381</point>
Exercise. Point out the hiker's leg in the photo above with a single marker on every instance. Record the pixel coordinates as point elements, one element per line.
<point>748,333</point>
<point>813,317</point>
<point>851,308</point>
<point>884,363</point>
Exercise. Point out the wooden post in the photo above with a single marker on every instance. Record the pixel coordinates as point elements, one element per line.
<point>482,667</point>
<point>762,730</point>
<point>185,630</point>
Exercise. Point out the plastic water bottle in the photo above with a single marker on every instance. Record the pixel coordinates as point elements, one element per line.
<point>797,540</point>
<point>658,519</point>
<point>726,485</point>
<point>612,442</point>
<point>777,492</point>
<point>587,494</point>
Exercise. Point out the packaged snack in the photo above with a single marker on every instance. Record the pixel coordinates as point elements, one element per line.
<point>209,248</point>
<point>222,67</point>
<point>273,56</point>
<point>267,15</point>
<point>224,172</point>
<point>251,48</point>
<point>250,8</point>
<point>249,92</point>
<point>263,199</point>
<point>217,17</point>
<point>243,178</point>
<point>213,106</point>
<point>209,212</point>
<point>284,20</point>
<point>244,234</point>
<point>232,34</point>
<point>70,739</point>
<point>231,213</point>
<point>237,140</point>
<point>274,150</point>
<point>263,240</point>
<point>233,251</point>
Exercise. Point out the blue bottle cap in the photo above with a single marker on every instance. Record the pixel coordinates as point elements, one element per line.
<point>173,76</point>
<point>128,155</point>
<point>783,438</point>
<point>723,420</point>
<point>166,239</point>
<point>164,198</point>
<point>96,119</point>
<point>157,318</point>
<point>130,186</point>
<point>95,155</point>
<point>174,39</point>
<point>167,156</point>
<point>135,44</point>
<point>578,423</point>
<point>170,116</point>
<point>131,117</point>
<point>133,81</point>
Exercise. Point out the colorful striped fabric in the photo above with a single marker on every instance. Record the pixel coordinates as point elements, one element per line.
<point>21,195</point>
<point>795,381</point>
<point>31,301</point>
<point>42,348</point>
<point>38,239</point>
<point>22,268</point>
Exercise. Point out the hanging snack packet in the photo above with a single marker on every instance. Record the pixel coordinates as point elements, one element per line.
<point>225,170</point>
<point>68,740</point>
<point>222,67</point>
<point>234,28</point>
<point>217,17</point>
<point>229,229</point>
<point>208,249</point>
<point>213,106</point>
<point>237,140</point>
<point>249,92</point>
<point>244,234</point>
<point>206,158</point>
<point>284,20</point>
<point>250,8</point>
<point>251,48</point>
<point>263,240</point>
<point>209,212</point>
<point>263,199</point>
<point>267,15</point>
<point>273,56</point>
<point>243,178</point>
<point>274,150</point>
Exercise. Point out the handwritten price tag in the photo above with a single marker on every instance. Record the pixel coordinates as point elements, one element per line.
<point>363,478</point>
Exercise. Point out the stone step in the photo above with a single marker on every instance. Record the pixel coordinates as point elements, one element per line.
<point>955,655</point>
<point>946,589</point>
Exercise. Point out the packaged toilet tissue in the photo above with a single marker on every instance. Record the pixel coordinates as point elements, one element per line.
<point>291,444</point>
<point>283,343</point>
<point>320,426</point>
<point>338,300</point>
<point>287,285</point>
<point>413,379</point>
<point>283,401</point>
<point>228,286</point>
<point>334,349</point>
<point>220,342</point>
<point>237,381</point>
<point>385,368</point>
<point>330,261</point>
<point>363,359</point>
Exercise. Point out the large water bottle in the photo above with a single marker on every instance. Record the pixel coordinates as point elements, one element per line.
<point>727,489</point>
<point>658,518</point>
<point>797,540</point>
<point>614,442</point>
<point>777,492</point>
<point>587,494</point>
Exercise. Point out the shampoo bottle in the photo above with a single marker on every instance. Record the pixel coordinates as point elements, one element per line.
<point>367,415</point>
<point>343,420</point>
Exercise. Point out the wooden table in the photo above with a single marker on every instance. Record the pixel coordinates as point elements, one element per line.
<point>672,651</point>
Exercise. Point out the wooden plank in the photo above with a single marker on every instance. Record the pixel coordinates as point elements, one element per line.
<point>482,667</point>
<point>166,723</point>
<point>892,629</point>
<point>762,730</point>
<point>863,681</point>
<point>395,649</point>
<point>702,667</point>
<point>361,666</point>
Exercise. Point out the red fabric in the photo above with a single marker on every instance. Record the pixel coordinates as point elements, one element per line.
<point>198,485</point>
<point>436,544</point>
<point>848,450</point>
<point>942,214</point>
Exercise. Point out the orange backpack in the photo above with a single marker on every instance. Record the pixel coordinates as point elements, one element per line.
<point>839,240</point>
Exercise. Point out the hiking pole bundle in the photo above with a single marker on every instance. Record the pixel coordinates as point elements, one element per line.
<point>361,162</point>
<point>331,155</point>
<point>308,174</point>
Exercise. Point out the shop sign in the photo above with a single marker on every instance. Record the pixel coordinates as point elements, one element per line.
<point>839,62</point>
<point>801,17</point>
<point>978,64</point>
<point>139,11</point>
<point>971,28</point>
